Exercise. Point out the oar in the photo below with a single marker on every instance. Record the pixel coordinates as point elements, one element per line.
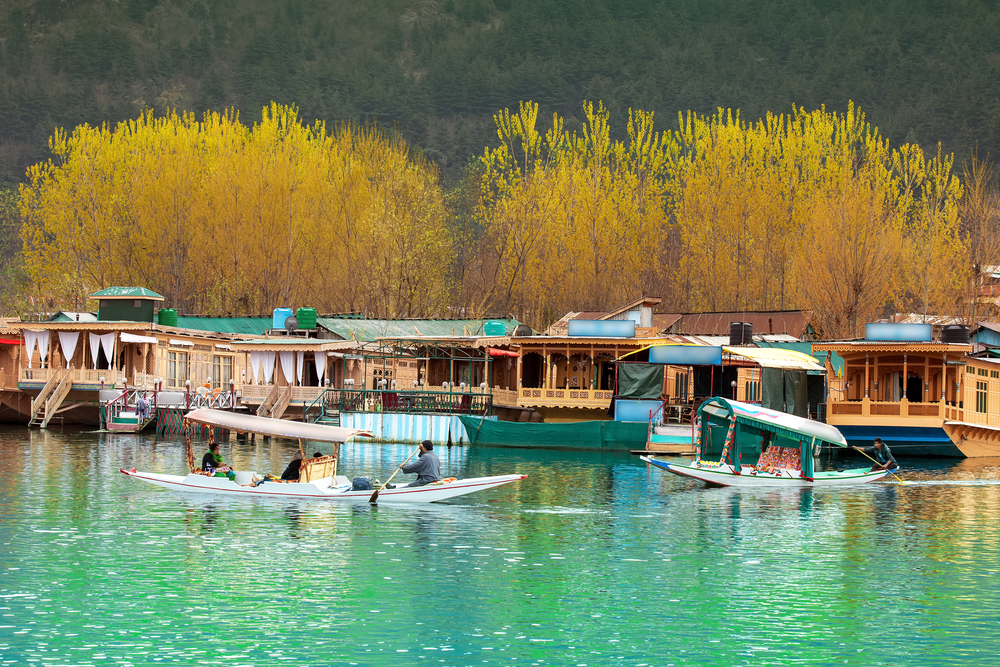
<point>375,495</point>
<point>858,449</point>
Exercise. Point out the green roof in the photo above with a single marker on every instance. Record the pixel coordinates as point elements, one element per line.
<point>369,330</point>
<point>805,347</point>
<point>257,326</point>
<point>126,293</point>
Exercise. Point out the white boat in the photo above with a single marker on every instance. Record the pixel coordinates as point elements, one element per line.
<point>318,478</point>
<point>758,447</point>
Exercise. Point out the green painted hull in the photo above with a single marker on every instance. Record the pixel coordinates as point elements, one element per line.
<point>603,435</point>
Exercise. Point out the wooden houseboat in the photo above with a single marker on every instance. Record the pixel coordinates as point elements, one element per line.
<point>917,394</point>
<point>79,369</point>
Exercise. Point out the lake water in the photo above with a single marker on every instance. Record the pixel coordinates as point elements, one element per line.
<point>594,559</point>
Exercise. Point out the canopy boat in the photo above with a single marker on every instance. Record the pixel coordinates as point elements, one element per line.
<point>755,446</point>
<point>318,478</point>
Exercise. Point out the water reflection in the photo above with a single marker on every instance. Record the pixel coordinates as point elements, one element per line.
<point>593,559</point>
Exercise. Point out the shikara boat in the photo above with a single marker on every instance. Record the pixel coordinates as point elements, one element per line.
<point>318,478</point>
<point>739,444</point>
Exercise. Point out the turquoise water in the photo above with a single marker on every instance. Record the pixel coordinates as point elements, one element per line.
<point>592,560</point>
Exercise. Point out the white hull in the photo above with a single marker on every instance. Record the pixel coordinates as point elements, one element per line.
<point>327,488</point>
<point>725,475</point>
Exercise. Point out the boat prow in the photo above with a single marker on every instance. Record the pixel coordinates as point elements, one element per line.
<point>725,475</point>
<point>327,488</point>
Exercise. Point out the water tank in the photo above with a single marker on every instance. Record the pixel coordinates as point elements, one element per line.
<point>280,315</point>
<point>740,333</point>
<point>168,317</point>
<point>953,333</point>
<point>494,328</point>
<point>306,318</point>
<point>522,330</point>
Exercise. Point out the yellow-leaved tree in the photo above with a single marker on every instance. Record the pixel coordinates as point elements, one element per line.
<point>225,218</point>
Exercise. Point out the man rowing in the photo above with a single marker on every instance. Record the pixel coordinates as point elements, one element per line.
<point>881,455</point>
<point>427,466</point>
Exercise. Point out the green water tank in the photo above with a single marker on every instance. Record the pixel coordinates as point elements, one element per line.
<point>306,318</point>
<point>168,317</point>
<point>494,328</point>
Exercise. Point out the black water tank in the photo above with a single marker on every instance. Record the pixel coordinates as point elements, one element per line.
<point>955,333</point>
<point>522,330</point>
<point>740,333</point>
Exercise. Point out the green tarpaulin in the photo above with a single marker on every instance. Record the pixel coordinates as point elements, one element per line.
<point>785,391</point>
<point>640,380</point>
<point>622,436</point>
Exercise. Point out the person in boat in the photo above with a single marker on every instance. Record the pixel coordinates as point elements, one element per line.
<point>427,466</point>
<point>291,473</point>
<point>883,457</point>
<point>212,462</point>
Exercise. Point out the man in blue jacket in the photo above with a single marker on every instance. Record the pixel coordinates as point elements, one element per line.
<point>427,466</point>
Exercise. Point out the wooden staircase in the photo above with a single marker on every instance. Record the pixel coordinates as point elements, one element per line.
<point>47,403</point>
<point>276,403</point>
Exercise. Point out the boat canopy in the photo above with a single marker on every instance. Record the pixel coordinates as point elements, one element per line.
<point>280,428</point>
<point>773,421</point>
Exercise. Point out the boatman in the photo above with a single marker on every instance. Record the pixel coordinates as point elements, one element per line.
<point>883,457</point>
<point>427,466</point>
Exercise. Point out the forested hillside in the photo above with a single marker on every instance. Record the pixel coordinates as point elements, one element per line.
<point>438,69</point>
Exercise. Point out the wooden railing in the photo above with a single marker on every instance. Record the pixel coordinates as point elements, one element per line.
<point>91,376</point>
<point>569,398</point>
<point>878,409</point>
<point>504,396</point>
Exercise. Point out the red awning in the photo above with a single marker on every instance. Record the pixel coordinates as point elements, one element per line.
<point>9,341</point>
<point>497,352</point>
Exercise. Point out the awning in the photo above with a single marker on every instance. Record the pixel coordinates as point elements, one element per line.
<point>775,358</point>
<point>181,342</point>
<point>497,352</point>
<point>9,341</point>
<point>133,338</point>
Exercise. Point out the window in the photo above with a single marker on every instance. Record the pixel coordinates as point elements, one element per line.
<point>222,371</point>
<point>995,374</point>
<point>981,397</point>
<point>177,368</point>
<point>681,386</point>
<point>970,370</point>
<point>104,303</point>
<point>981,372</point>
<point>137,304</point>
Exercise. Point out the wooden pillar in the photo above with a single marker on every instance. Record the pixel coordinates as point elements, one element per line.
<point>875,384</point>
<point>926,389</point>
<point>866,375</point>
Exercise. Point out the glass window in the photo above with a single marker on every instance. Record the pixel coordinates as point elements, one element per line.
<point>177,368</point>
<point>981,397</point>
<point>222,371</point>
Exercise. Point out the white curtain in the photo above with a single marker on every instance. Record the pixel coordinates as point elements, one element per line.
<point>286,366</point>
<point>68,341</point>
<point>32,338</point>
<point>108,342</point>
<point>267,358</point>
<point>255,364</point>
<point>320,366</point>
<point>301,357</point>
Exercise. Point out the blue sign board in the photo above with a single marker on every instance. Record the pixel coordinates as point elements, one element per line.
<point>631,410</point>
<point>602,328</point>
<point>685,355</point>
<point>909,333</point>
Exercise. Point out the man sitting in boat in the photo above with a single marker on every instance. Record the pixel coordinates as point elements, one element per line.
<point>427,466</point>
<point>291,473</point>
<point>884,459</point>
<point>212,463</point>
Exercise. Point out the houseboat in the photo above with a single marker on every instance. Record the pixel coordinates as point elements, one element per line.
<point>922,397</point>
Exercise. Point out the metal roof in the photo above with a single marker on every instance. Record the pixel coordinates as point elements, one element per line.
<point>791,322</point>
<point>255,326</point>
<point>806,348</point>
<point>370,330</point>
<point>67,316</point>
<point>127,293</point>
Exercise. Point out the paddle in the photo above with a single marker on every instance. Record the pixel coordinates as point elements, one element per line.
<point>858,449</point>
<point>375,495</point>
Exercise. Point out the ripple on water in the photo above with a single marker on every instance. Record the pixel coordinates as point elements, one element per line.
<point>594,559</point>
